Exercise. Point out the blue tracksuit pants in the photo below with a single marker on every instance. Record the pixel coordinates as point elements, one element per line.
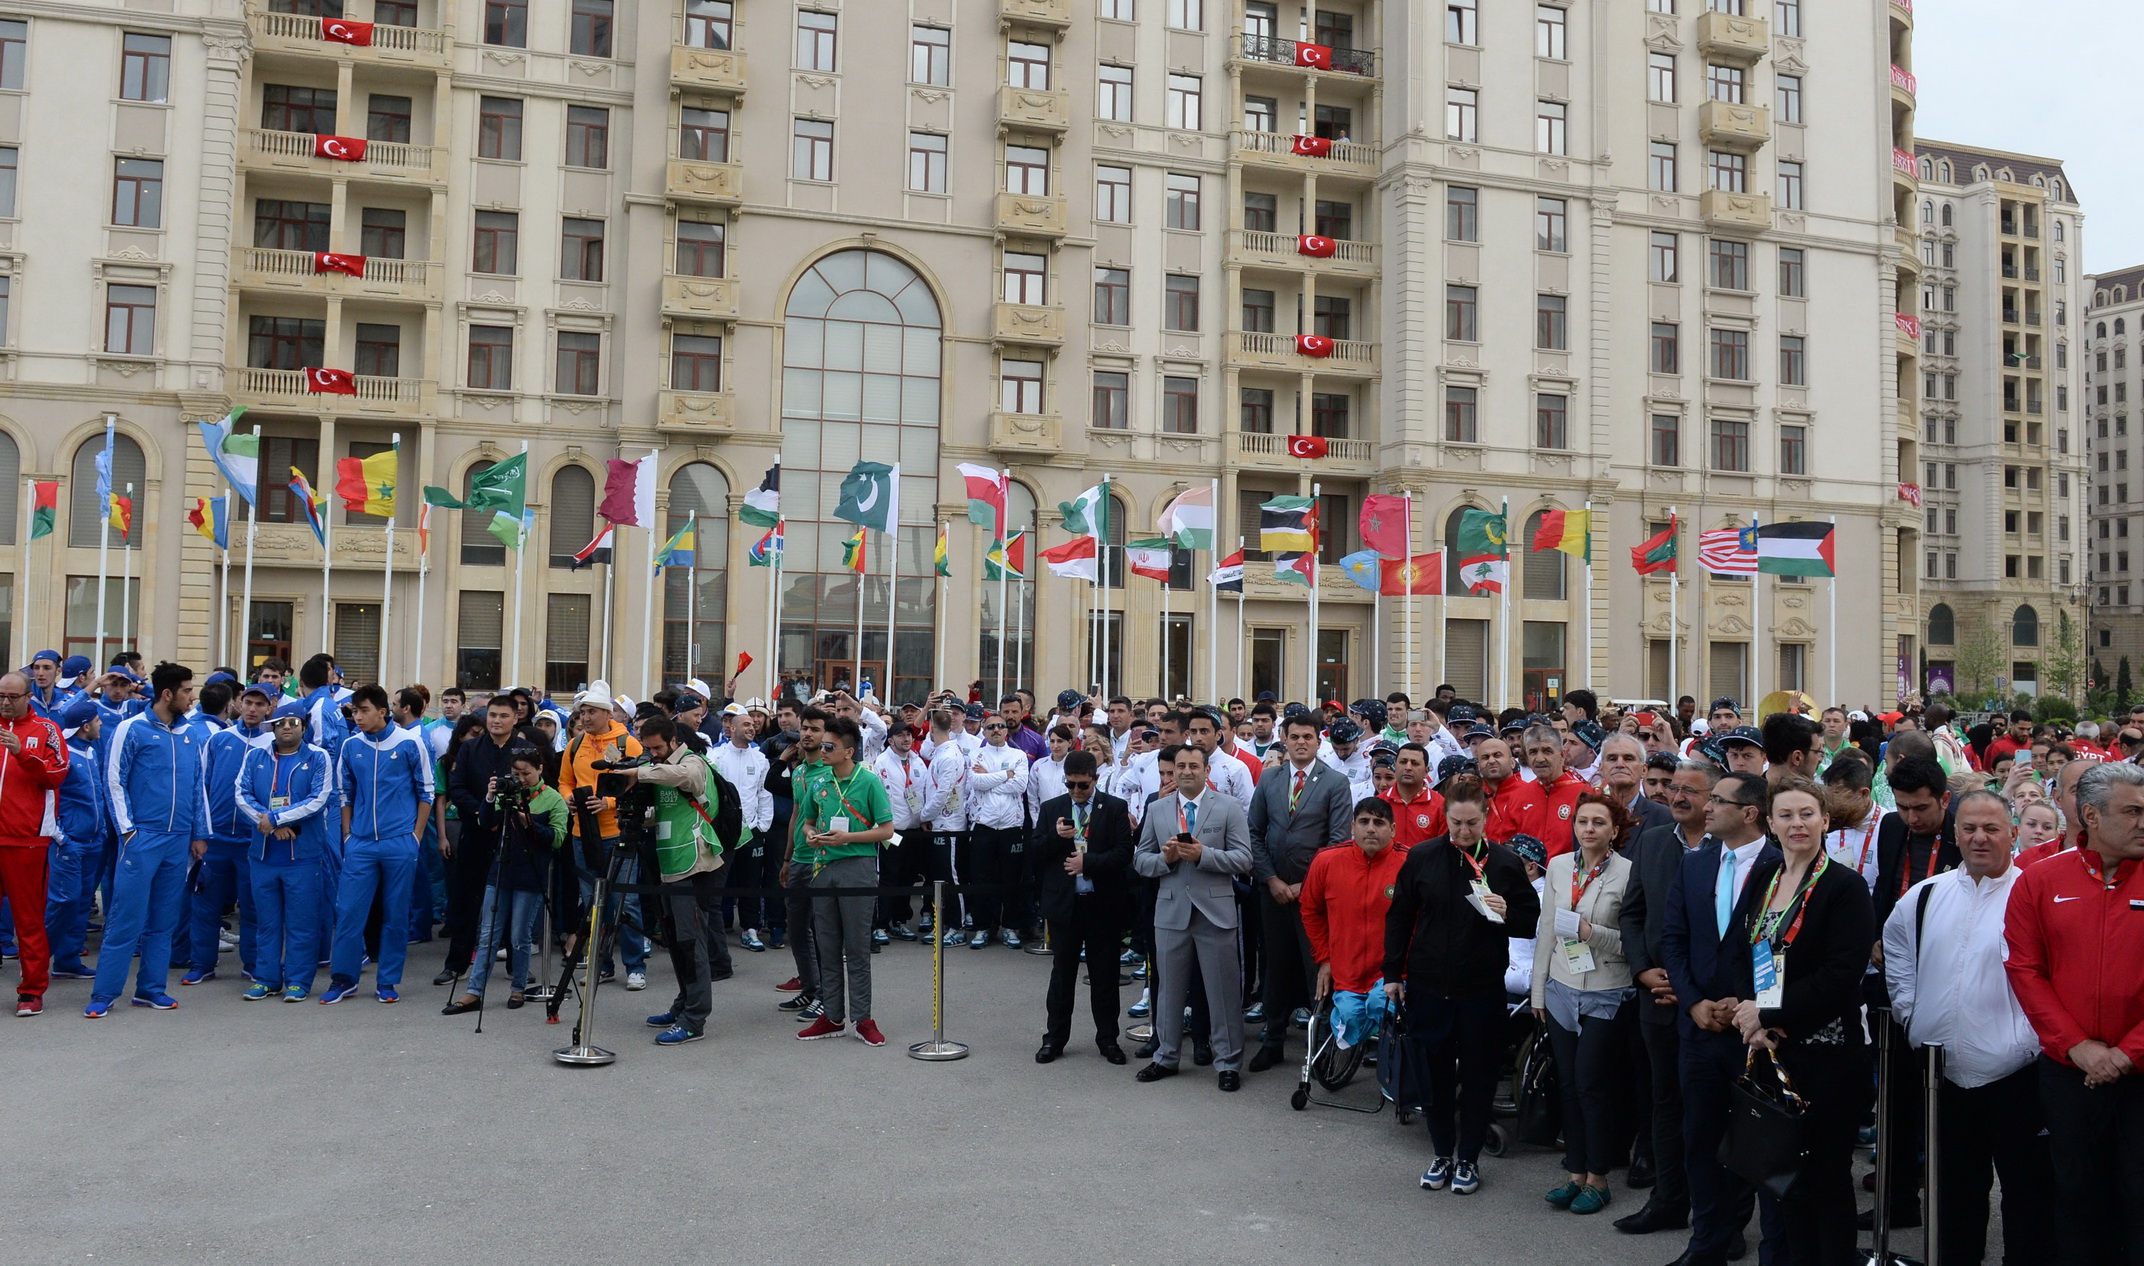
<point>385,866</point>
<point>221,880</point>
<point>286,913</point>
<point>148,896</point>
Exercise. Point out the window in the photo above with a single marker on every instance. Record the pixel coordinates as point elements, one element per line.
<point>379,350</point>
<point>1667,356</point>
<point>506,23</point>
<point>1660,167</point>
<point>1112,296</point>
<point>1260,113</point>
<point>580,250</point>
<point>1791,282</point>
<point>703,135</point>
<point>1027,65</point>
<point>1550,333</point>
<point>491,358</point>
<point>1462,213</point>
<point>1332,317</point>
<point>695,363</point>
<point>1790,98</point>
<point>1183,102</point>
<point>930,55</point>
<point>926,162</point>
<point>1112,400</point>
<point>699,249</point>
<point>1790,186</point>
<point>1329,414</point>
<point>1020,386</point>
<point>1461,21</point>
<point>387,118</point>
<point>1254,410</point>
<point>1729,172</point>
<point>1549,119</point>
<point>278,342</point>
<point>1258,311</point>
<point>1459,313</point>
<point>138,193</point>
<point>1793,361</point>
<point>587,136</point>
<point>1187,15</point>
<point>1113,93</point>
<point>1730,444</point>
<point>1461,418</point>
<point>1725,83</point>
<point>2025,627</point>
<point>812,150</point>
<point>10,162</point>
<point>1261,212</point>
<point>1182,210</point>
<point>1793,450</point>
<point>6,293</point>
<point>1548,31</point>
<point>1335,220</point>
<point>85,518</point>
<point>815,40</point>
<point>1660,77</point>
<point>480,628</point>
<point>580,364</point>
<point>130,320</point>
<point>707,23</point>
<point>1552,421</point>
<point>1461,114</point>
<point>1667,439</point>
<point>1180,405</point>
<point>1113,195</point>
<point>1730,265</point>
<point>498,243</point>
<point>591,28</point>
<point>1121,10</point>
<point>1664,262</point>
<point>498,128</point>
<point>394,12</point>
<point>1730,354</point>
<point>14,49</point>
<point>290,226</point>
<point>1024,277</point>
<point>1180,303</point>
<point>1551,222</point>
<point>1027,169</point>
<point>145,67</point>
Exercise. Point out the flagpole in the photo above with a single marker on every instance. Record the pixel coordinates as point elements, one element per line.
<point>223,589</point>
<point>692,598</point>
<point>1756,633</point>
<point>893,602</point>
<point>1311,682</point>
<point>1164,691</point>
<point>1674,615</point>
<point>610,575</point>
<point>253,523</point>
<point>1588,610</point>
<point>1831,669</point>
<point>945,531</point>
<point>126,581</point>
<point>424,567</point>
<point>1004,576</point>
<point>1239,628</point>
<point>387,574</point>
<point>1407,617</point>
<point>856,668</point>
<point>1213,603</point>
<point>104,543</point>
<point>650,665</point>
<point>1019,631</point>
<point>521,556</point>
<point>29,519</point>
<point>774,589</point>
<point>1503,671</point>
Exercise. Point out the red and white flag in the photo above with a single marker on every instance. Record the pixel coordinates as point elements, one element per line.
<point>1311,146</point>
<point>1910,493</point>
<point>1308,446</point>
<point>1728,551</point>
<point>1074,558</point>
<point>331,382</point>
<point>336,262</point>
<point>1315,56</point>
<point>1315,246</point>
<point>343,31</point>
<point>1314,345</point>
<point>346,149</point>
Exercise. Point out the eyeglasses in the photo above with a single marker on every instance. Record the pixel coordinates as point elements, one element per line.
<point>11,697</point>
<point>1738,804</point>
<point>826,747</point>
<point>1084,784</point>
<point>988,728</point>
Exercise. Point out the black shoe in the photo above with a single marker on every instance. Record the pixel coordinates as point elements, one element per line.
<point>1113,1052</point>
<point>446,976</point>
<point>1147,1048</point>
<point>1231,1081</point>
<point>1737,1247</point>
<point>795,1002</point>
<point>1268,1055</point>
<point>1049,1051</point>
<point>1685,1260</point>
<point>1652,1218</point>
<point>722,973</point>
<point>1202,1053</point>
<point>1641,1175</point>
<point>458,1007</point>
<point>1153,1072</point>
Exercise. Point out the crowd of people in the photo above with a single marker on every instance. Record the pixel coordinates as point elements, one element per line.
<point>1676,904</point>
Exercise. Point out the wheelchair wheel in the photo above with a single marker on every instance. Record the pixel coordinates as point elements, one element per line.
<point>1333,1067</point>
<point>1496,1142</point>
<point>1300,1099</point>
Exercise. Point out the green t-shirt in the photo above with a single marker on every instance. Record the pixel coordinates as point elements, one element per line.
<point>861,798</point>
<point>801,785</point>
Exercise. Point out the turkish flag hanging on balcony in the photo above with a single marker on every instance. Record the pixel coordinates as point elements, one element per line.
<point>1311,146</point>
<point>338,31</point>
<point>1307,446</point>
<point>331,382</point>
<point>1314,345</point>
<point>1315,56</point>
<point>348,149</point>
<point>1315,246</point>
<point>333,262</point>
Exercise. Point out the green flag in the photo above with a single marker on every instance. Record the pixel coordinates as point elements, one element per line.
<point>1481,535</point>
<point>512,530</point>
<point>871,496</point>
<point>502,486</point>
<point>1088,513</point>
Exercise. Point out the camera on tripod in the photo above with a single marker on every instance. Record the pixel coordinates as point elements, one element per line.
<point>512,798</point>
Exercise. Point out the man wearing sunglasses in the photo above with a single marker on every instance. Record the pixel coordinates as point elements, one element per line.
<point>1082,853</point>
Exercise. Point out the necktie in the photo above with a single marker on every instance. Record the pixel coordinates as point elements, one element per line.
<point>1723,900</point>
<point>1297,792</point>
<point>1191,816</point>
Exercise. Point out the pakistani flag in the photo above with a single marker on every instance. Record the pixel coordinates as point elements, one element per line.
<point>763,505</point>
<point>871,496</point>
<point>1088,513</point>
<point>237,456</point>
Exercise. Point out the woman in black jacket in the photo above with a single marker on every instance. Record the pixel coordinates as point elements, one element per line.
<point>1799,953</point>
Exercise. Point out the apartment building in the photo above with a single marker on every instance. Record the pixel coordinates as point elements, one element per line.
<point>2114,328</point>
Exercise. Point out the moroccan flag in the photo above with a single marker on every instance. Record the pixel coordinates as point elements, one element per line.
<point>1384,524</point>
<point>336,262</point>
<point>343,31</point>
<point>1416,575</point>
<point>852,553</point>
<point>1074,558</point>
<point>313,504</point>
<point>1227,575</point>
<point>1656,553</point>
<point>763,505</point>
<point>767,550</point>
<point>1149,558</point>
<point>44,508</point>
<point>347,149</point>
<point>940,564</point>
<point>123,516</point>
<point>1288,525</point>
<point>1570,531</point>
<point>211,517</point>
<point>986,497</point>
<point>1007,560</point>
<point>367,484</point>
<point>596,551</point>
<point>331,382</point>
<point>1188,518</point>
<point>1796,549</point>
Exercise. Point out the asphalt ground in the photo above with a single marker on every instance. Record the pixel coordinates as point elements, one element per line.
<point>267,1132</point>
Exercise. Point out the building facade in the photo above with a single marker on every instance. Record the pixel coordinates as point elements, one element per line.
<point>2114,330</point>
<point>1149,240</point>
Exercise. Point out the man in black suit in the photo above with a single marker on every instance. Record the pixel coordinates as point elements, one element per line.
<point>1299,807</point>
<point>1082,856</point>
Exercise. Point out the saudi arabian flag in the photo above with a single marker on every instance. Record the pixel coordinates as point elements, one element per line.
<point>237,456</point>
<point>1188,518</point>
<point>501,486</point>
<point>44,508</point>
<point>1088,513</point>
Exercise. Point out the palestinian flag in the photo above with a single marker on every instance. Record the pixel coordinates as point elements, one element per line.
<point>1570,531</point>
<point>763,505</point>
<point>44,507</point>
<point>1796,549</point>
<point>1227,575</point>
<point>1656,553</point>
<point>1149,558</point>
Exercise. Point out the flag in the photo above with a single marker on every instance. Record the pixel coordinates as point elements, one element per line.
<point>1288,525</point>
<point>1314,345</point>
<point>1007,560</point>
<point>677,551</point>
<point>1314,56</point>
<point>367,484</point>
<point>424,529</point>
<point>347,149</point>
<point>104,473</point>
<point>871,496</point>
<point>341,31</point>
<point>1570,531</point>
<point>44,508</point>
<point>763,505</point>
<point>1728,551</point>
<point>767,550</point>
<point>1187,519</point>
<point>1364,568</point>
<point>1149,557</point>
<point>596,551</point>
<point>1296,569</point>
<point>940,564</point>
<point>1657,553</point>
<point>1796,549</point>
<point>313,504</point>
<point>1384,524</point>
<point>1417,575</point>
<point>986,498</point>
<point>629,491</point>
<point>1310,146</point>
<point>1074,558</point>
<point>744,661</point>
<point>852,553</point>
<point>211,517</point>
<point>1910,493</point>
<point>512,529</point>
<point>1088,513</point>
<point>123,517</point>
<point>1308,446</point>
<point>1485,575</point>
<point>330,382</point>
<point>1227,575</point>
<point>237,456</point>
<point>499,486</point>
<point>336,262</point>
<point>1316,246</point>
<point>1484,551</point>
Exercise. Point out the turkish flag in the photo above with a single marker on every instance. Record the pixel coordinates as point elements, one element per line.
<point>331,262</point>
<point>1307,446</point>
<point>1316,247</point>
<point>338,31</point>
<point>1314,345</point>
<point>1315,56</point>
<point>1311,146</point>
<point>331,382</point>
<point>348,149</point>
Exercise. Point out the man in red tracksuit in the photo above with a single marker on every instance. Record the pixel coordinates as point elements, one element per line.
<point>1559,788</point>
<point>33,763</point>
<point>1516,806</point>
<point>2074,931</point>
<point>1344,900</point>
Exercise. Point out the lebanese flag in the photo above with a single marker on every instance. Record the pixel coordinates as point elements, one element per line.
<point>1311,146</point>
<point>1314,345</point>
<point>1315,56</point>
<point>334,262</point>
<point>347,149</point>
<point>339,31</point>
<point>331,382</point>
<point>1308,446</point>
<point>1315,246</point>
<point>1074,558</point>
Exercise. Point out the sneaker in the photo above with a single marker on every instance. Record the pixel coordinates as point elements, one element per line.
<point>795,1003</point>
<point>636,980</point>
<point>1129,957</point>
<point>663,1021</point>
<point>257,992</point>
<point>336,993</point>
<point>1012,939</point>
<point>1562,1196</point>
<point>30,1004</point>
<point>750,940</point>
<point>609,974</point>
<point>677,1035</point>
<point>159,1000</point>
<point>1590,1199</point>
<point>956,937</point>
<point>902,932</point>
<point>386,994</point>
<point>1466,1179</point>
<point>867,1033</point>
<point>499,957</point>
<point>195,976</point>
<point>1255,1013</point>
<point>294,993</point>
<point>1439,1174</point>
<point>72,970</point>
<point>1300,1017</point>
<point>791,985</point>
<point>1139,972</point>
<point>821,1027</point>
<point>812,1010</point>
<point>879,937</point>
<point>97,1009</point>
<point>979,938</point>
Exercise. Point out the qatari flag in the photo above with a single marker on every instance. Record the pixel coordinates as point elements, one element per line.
<point>623,499</point>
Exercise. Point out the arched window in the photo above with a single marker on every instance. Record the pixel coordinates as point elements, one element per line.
<point>861,354</point>
<point>2118,326</point>
<point>693,642</point>
<point>1019,594</point>
<point>1928,211</point>
<point>1453,585</point>
<point>2058,230</point>
<point>1112,555</point>
<point>2100,330</point>
<point>2025,626</point>
<point>573,513</point>
<point>1942,625</point>
<point>479,547</point>
<point>85,513</point>
<point>2039,181</point>
<point>1943,171</point>
<point>1546,576</point>
<point>2054,189</point>
<point>10,488</point>
<point>1946,208</point>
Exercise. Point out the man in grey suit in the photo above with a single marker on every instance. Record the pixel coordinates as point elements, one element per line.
<point>1300,806</point>
<point>1192,843</point>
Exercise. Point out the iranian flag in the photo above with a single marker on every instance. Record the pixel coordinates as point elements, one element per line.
<point>1074,558</point>
<point>44,507</point>
<point>1149,558</point>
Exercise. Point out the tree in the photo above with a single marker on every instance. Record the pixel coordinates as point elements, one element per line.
<point>1979,662</point>
<point>2062,662</point>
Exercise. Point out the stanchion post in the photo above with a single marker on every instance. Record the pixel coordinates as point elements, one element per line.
<point>1932,1252</point>
<point>584,1052</point>
<point>1880,1253</point>
<point>938,1049</point>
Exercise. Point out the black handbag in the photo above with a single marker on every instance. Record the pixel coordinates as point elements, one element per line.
<point>1539,1094</point>
<point>1766,1135</point>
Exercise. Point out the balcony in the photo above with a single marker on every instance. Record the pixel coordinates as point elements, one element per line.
<point>1746,212</point>
<point>695,412</point>
<point>1253,349</point>
<point>1268,50</point>
<point>1905,172</point>
<point>1255,249</point>
<point>1734,39</point>
<point>1026,433</point>
<point>1732,126</point>
<point>391,397</point>
<point>1904,87</point>
<point>707,69</point>
<point>1270,452</point>
<point>700,298</point>
<point>261,149</point>
<point>710,184</point>
<point>1276,151</point>
<point>1057,13</point>
<point>1027,324</point>
<point>260,268</point>
<point>389,46</point>
<point>1035,109</point>
<point>1031,214</point>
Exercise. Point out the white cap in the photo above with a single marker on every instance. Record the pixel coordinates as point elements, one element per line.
<point>596,696</point>
<point>698,687</point>
<point>1700,726</point>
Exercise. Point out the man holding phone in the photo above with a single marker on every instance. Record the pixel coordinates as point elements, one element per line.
<point>1082,855</point>
<point>1193,845</point>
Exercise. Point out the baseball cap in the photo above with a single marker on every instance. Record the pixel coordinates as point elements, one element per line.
<point>1463,714</point>
<point>1454,764</point>
<point>256,689</point>
<point>54,656</point>
<point>1742,734</point>
<point>1479,730</point>
<point>733,710</point>
<point>1725,701</point>
<point>1710,749</point>
<point>1343,731</point>
<point>215,677</point>
<point>80,711</point>
<point>1529,848</point>
<point>974,712</point>
<point>1067,700</point>
<point>1371,710</point>
<point>293,709</point>
<point>1590,733</point>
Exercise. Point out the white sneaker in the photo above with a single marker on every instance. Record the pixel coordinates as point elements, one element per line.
<point>636,980</point>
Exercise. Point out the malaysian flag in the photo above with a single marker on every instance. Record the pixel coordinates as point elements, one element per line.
<point>1729,551</point>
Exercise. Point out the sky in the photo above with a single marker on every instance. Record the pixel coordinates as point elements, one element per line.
<point>2027,78</point>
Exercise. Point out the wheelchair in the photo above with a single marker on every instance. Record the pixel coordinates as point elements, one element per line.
<point>1332,1067</point>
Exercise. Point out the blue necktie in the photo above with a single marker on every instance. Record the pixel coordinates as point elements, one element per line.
<point>1191,817</point>
<point>1723,898</point>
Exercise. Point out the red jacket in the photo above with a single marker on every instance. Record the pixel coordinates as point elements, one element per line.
<point>1413,821</point>
<point>1560,800</point>
<point>1345,897</point>
<point>2004,745</point>
<point>28,781</point>
<point>2076,953</point>
<point>2040,852</point>
<point>1516,808</point>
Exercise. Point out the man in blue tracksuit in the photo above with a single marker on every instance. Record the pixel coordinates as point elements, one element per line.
<point>47,695</point>
<point>286,787</point>
<point>155,780</point>
<point>386,787</point>
<point>326,728</point>
<point>80,848</point>
<point>222,877</point>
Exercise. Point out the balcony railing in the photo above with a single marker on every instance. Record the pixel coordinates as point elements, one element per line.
<point>1282,144</point>
<point>399,39</point>
<point>1252,444</point>
<point>1280,52</point>
<point>1903,80</point>
<point>2031,273</point>
<point>1354,355</point>
<point>279,263</point>
<point>376,392</point>
<point>1257,242</point>
<point>382,156</point>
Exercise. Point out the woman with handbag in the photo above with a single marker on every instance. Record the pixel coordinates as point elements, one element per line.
<point>1582,994</point>
<point>1799,954</point>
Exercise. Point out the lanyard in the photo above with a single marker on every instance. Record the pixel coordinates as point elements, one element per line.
<point>840,793</point>
<point>1079,827</point>
<point>1905,862</point>
<point>1578,889</point>
<point>1798,907</point>
<point>1868,838</point>
<point>1480,867</point>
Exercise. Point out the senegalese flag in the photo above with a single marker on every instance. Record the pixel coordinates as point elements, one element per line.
<point>767,550</point>
<point>852,552</point>
<point>44,507</point>
<point>313,504</point>
<point>123,516</point>
<point>939,563</point>
<point>1007,560</point>
<point>678,550</point>
<point>1570,531</point>
<point>367,484</point>
<point>211,518</point>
